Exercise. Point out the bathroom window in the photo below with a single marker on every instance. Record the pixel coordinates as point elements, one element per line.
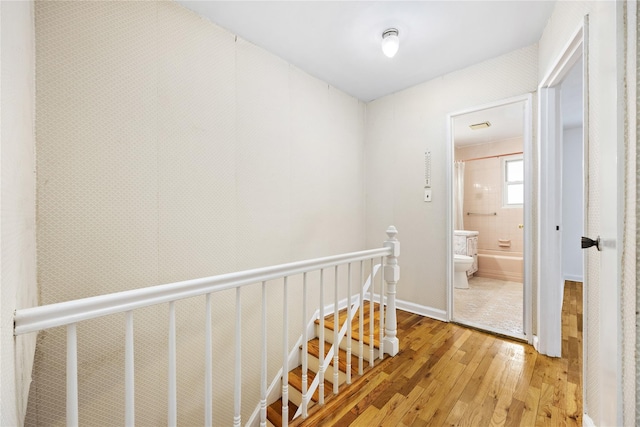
<point>513,173</point>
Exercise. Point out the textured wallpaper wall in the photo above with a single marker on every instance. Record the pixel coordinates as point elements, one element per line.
<point>169,149</point>
<point>400,128</point>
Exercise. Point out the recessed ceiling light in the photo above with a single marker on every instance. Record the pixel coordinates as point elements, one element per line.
<point>482,125</point>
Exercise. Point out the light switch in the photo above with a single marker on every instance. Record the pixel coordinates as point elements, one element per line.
<point>427,194</point>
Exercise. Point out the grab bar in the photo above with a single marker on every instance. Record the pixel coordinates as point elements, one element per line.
<point>487,214</point>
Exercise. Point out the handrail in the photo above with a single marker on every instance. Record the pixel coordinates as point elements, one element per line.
<point>64,313</point>
<point>70,313</point>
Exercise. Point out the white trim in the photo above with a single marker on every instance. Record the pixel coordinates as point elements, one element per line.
<point>535,343</point>
<point>422,310</point>
<point>573,278</point>
<point>549,200</point>
<point>549,262</point>
<point>570,54</point>
<point>585,198</point>
<point>449,218</point>
<point>530,206</point>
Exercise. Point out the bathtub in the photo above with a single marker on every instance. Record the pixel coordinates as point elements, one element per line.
<point>501,265</point>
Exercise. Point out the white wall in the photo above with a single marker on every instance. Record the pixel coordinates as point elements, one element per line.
<point>400,128</point>
<point>572,204</point>
<point>18,287</point>
<point>169,149</point>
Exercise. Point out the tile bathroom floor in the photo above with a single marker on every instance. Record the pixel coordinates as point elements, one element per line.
<point>495,304</point>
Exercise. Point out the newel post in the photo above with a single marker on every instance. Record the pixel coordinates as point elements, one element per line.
<point>391,277</point>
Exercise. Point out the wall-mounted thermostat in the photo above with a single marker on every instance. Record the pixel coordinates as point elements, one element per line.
<point>427,176</point>
<point>427,168</point>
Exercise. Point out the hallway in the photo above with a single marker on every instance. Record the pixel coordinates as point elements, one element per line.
<point>449,375</point>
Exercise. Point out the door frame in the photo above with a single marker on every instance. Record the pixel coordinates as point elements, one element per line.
<point>550,279</point>
<point>527,212</point>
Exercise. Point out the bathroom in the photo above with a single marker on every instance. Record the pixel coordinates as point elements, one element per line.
<point>488,176</point>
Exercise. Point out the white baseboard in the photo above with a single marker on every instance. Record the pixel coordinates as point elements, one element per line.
<point>587,421</point>
<point>573,278</point>
<point>535,343</point>
<point>422,310</point>
<point>414,308</point>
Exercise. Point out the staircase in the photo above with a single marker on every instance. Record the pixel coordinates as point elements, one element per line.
<point>357,366</point>
<point>360,341</point>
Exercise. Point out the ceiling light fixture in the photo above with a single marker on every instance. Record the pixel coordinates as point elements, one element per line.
<point>390,42</point>
<point>482,125</point>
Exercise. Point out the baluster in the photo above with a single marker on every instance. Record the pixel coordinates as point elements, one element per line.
<point>391,276</point>
<point>238,367</point>
<point>263,373</point>
<point>361,321</point>
<point>336,327</point>
<point>381,306</point>
<point>372,321</point>
<point>72,375</point>
<point>129,417</point>
<point>285,357</point>
<point>349,327</point>
<point>305,353</point>
<point>321,340</point>
<point>208,366</point>
<point>173,402</point>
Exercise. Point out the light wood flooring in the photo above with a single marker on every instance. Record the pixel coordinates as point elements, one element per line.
<point>446,374</point>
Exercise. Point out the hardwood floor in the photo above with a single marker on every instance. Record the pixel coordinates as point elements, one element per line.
<point>446,374</point>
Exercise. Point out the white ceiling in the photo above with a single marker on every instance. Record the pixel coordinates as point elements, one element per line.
<point>507,121</point>
<point>339,41</point>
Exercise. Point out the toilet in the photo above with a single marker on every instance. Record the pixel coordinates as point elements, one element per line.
<point>461,263</point>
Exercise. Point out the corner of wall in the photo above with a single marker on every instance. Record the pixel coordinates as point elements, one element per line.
<point>18,280</point>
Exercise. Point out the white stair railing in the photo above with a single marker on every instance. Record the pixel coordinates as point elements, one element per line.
<point>70,313</point>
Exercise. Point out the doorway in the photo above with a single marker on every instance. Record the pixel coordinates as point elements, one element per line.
<point>490,207</point>
<point>562,168</point>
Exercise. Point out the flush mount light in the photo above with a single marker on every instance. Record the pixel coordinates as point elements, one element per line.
<point>482,125</point>
<point>390,42</point>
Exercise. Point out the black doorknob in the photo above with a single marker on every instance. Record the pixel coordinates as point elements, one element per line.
<point>587,243</point>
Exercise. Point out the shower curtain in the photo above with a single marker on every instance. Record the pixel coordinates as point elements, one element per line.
<point>458,195</point>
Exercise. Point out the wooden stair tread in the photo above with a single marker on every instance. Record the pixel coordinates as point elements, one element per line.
<point>274,412</point>
<point>313,348</point>
<point>295,380</point>
<point>355,328</point>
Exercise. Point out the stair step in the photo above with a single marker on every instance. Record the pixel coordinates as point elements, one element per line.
<point>355,346</point>
<point>355,326</point>
<point>313,347</point>
<point>274,412</point>
<point>295,381</point>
